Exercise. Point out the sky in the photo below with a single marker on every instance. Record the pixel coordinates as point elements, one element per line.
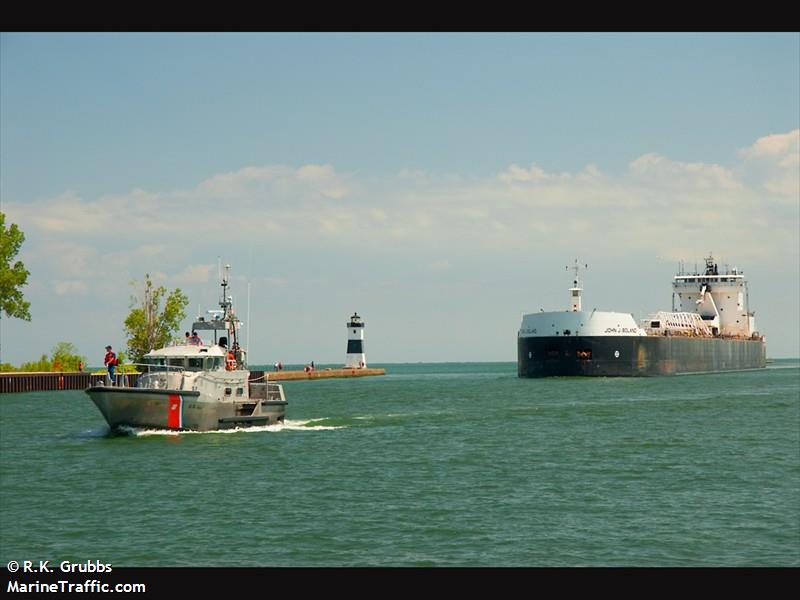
<point>437,184</point>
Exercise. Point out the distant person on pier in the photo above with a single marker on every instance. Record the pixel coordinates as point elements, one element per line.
<point>110,361</point>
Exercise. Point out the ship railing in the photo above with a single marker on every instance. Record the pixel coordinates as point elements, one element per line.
<point>147,370</point>
<point>266,391</point>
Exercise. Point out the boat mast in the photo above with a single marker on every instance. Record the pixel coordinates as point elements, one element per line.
<point>227,309</point>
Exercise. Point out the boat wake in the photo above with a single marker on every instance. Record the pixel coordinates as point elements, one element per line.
<point>289,425</point>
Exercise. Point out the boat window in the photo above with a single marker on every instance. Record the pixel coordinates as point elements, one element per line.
<point>239,391</point>
<point>227,391</point>
<point>175,362</point>
<point>154,365</point>
<point>195,364</point>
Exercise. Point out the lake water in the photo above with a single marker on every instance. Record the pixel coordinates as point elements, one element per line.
<point>429,465</point>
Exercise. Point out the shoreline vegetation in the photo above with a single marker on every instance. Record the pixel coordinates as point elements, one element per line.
<point>63,358</point>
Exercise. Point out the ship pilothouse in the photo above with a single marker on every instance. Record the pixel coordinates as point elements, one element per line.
<point>720,299</point>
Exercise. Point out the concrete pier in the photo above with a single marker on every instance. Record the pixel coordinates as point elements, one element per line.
<point>317,374</point>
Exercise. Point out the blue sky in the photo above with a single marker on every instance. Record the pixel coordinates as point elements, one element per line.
<point>436,183</point>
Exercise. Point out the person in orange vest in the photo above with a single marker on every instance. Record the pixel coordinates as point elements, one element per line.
<point>110,361</point>
<point>230,361</point>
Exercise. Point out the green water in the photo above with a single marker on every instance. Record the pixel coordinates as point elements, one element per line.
<point>430,465</point>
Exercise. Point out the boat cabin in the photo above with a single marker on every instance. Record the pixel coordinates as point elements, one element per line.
<point>186,357</point>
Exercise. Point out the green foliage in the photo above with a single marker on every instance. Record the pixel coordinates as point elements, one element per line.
<point>63,357</point>
<point>12,277</point>
<point>148,326</point>
<point>37,366</point>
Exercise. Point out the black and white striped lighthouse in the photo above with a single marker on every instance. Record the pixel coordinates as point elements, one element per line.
<point>356,359</point>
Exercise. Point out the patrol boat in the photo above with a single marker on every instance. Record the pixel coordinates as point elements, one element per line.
<point>713,330</point>
<point>201,386</point>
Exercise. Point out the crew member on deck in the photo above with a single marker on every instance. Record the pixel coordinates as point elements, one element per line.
<point>110,361</point>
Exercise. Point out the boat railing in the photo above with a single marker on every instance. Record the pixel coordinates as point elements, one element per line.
<point>150,373</point>
<point>266,391</point>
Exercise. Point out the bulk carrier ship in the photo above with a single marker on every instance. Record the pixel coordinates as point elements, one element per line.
<point>713,329</point>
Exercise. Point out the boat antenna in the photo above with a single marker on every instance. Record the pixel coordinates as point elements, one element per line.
<point>248,316</point>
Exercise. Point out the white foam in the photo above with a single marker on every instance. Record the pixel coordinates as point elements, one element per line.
<point>286,426</point>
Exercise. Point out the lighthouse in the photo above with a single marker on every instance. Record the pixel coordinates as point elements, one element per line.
<point>356,359</point>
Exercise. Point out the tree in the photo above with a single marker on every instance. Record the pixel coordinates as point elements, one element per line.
<point>65,357</point>
<point>148,326</point>
<point>12,278</point>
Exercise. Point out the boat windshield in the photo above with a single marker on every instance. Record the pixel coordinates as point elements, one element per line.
<point>176,363</point>
<point>203,363</point>
<point>154,365</point>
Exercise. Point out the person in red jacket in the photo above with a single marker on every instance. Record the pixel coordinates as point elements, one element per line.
<point>110,361</point>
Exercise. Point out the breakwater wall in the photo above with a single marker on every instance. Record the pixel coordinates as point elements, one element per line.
<point>42,382</point>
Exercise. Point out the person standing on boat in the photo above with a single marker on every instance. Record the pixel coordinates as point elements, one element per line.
<point>110,361</point>
<point>195,339</point>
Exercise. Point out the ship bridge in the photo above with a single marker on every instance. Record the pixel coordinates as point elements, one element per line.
<point>719,298</point>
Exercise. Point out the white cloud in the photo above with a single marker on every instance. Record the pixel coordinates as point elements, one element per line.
<point>70,287</point>
<point>658,170</point>
<point>775,161</point>
<point>660,203</point>
<point>193,274</point>
<point>439,265</point>
<point>271,182</point>
<point>780,144</point>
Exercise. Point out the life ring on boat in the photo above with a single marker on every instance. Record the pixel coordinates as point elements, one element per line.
<point>230,362</point>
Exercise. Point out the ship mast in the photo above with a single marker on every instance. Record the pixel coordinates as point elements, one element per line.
<point>576,289</point>
<point>226,305</point>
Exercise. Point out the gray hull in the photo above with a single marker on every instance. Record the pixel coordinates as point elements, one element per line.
<point>183,410</point>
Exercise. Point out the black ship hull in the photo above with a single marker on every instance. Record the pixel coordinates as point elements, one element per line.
<point>635,356</point>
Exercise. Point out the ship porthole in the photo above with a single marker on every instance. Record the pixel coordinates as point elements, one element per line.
<point>616,353</point>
